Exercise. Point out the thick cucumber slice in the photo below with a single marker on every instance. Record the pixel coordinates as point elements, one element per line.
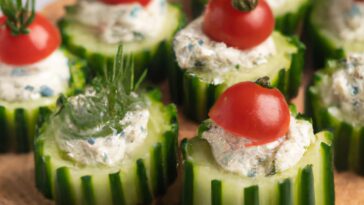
<point>348,139</point>
<point>288,16</point>
<point>18,120</point>
<point>147,172</point>
<point>197,95</point>
<point>326,45</point>
<point>154,54</point>
<point>310,182</point>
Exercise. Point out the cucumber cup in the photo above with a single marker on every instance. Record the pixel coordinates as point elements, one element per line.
<point>348,134</point>
<point>18,119</point>
<point>325,41</point>
<point>145,170</point>
<point>222,166</point>
<point>289,15</point>
<point>152,53</point>
<point>309,182</point>
<point>197,95</point>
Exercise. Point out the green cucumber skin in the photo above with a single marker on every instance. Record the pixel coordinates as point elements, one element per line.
<point>285,192</point>
<point>323,48</point>
<point>288,23</point>
<point>64,190</point>
<point>306,187</point>
<point>18,125</point>
<point>156,59</point>
<point>300,187</point>
<point>251,195</point>
<point>197,96</point>
<point>348,146</point>
<point>150,183</point>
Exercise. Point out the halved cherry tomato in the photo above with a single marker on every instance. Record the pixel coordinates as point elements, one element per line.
<point>142,2</point>
<point>42,40</point>
<point>243,30</point>
<point>251,111</point>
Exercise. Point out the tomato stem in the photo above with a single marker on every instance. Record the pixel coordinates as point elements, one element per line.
<point>18,16</point>
<point>264,82</point>
<point>245,5</point>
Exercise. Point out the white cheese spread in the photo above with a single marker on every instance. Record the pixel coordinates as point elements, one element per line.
<point>108,150</point>
<point>196,51</point>
<point>344,17</point>
<point>46,78</point>
<point>346,86</point>
<point>123,22</point>
<point>276,3</point>
<point>231,153</point>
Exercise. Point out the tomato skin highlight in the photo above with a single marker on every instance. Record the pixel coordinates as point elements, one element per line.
<point>116,2</point>
<point>24,49</point>
<point>251,111</point>
<point>243,30</point>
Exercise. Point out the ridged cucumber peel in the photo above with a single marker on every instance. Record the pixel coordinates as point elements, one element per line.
<point>197,96</point>
<point>285,192</point>
<point>251,195</point>
<point>287,23</point>
<point>324,48</point>
<point>348,143</point>
<point>18,123</point>
<point>290,22</point>
<point>310,182</point>
<point>150,170</point>
<point>156,56</point>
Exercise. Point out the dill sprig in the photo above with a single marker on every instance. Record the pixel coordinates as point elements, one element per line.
<point>105,103</point>
<point>119,82</point>
<point>18,16</point>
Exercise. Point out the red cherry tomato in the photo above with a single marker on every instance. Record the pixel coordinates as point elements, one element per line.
<point>251,111</point>
<point>142,2</point>
<point>23,49</point>
<point>243,30</point>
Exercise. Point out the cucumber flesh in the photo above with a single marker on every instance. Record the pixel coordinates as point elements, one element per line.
<point>136,180</point>
<point>326,45</point>
<point>194,91</point>
<point>18,120</point>
<point>308,182</point>
<point>348,144</point>
<point>152,53</point>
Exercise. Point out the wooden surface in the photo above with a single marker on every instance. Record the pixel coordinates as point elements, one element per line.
<point>17,171</point>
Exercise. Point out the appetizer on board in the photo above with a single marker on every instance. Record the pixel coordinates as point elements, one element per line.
<point>255,150</point>
<point>113,144</point>
<point>34,71</point>
<point>93,29</point>
<point>231,43</point>
<point>335,102</point>
<point>336,29</point>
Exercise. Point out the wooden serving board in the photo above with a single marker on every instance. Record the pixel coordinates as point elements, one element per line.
<point>17,185</point>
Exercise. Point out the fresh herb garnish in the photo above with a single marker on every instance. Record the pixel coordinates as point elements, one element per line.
<point>99,111</point>
<point>18,16</point>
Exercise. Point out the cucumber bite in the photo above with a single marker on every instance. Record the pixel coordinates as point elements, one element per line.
<point>93,29</point>
<point>336,26</point>
<point>34,71</point>
<point>341,109</point>
<point>211,57</point>
<point>289,14</point>
<point>113,144</point>
<point>255,150</point>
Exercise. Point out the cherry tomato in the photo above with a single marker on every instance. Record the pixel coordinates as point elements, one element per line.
<point>142,2</point>
<point>251,111</point>
<point>42,40</point>
<point>243,30</point>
